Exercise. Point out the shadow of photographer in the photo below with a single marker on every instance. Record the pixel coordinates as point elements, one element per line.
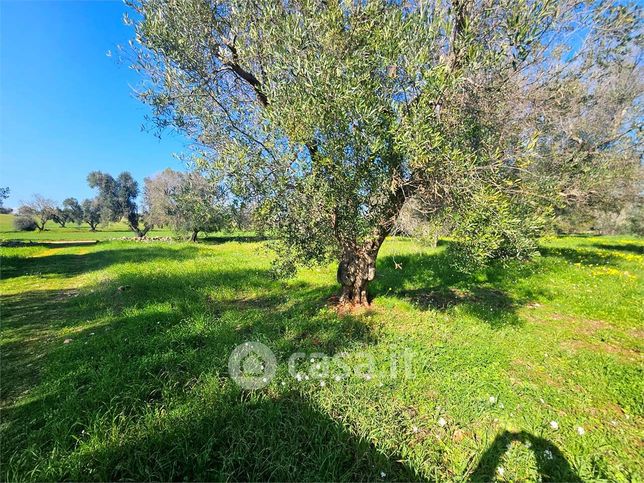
<point>552,465</point>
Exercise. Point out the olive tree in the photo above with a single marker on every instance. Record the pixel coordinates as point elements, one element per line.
<point>40,210</point>
<point>117,200</point>
<point>91,213</point>
<point>332,114</point>
<point>158,194</point>
<point>200,206</point>
<point>4,194</point>
<point>73,209</point>
<point>188,202</point>
<point>69,211</point>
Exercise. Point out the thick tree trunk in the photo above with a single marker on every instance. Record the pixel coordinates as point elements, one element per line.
<point>358,262</point>
<point>140,233</point>
<point>357,268</point>
<point>193,235</point>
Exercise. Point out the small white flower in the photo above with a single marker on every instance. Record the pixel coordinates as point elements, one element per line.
<point>500,470</point>
<point>580,431</point>
<point>298,376</point>
<point>337,378</point>
<point>382,474</point>
<point>548,454</point>
<point>442,422</point>
<point>264,379</point>
<point>492,399</point>
<point>283,383</point>
<point>312,360</point>
<point>528,444</point>
<point>317,366</point>
<point>322,383</point>
<point>414,429</point>
<point>554,425</point>
<point>306,377</point>
<point>367,377</point>
<point>501,405</point>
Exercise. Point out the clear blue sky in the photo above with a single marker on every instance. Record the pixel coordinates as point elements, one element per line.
<point>66,108</point>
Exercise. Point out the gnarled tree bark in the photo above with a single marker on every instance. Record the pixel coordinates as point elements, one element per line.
<point>356,269</point>
<point>358,260</point>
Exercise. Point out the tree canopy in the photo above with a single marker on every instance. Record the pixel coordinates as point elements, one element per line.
<point>117,200</point>
<point>40,210</point>
<point>333,114</point>
<point>188,202</point>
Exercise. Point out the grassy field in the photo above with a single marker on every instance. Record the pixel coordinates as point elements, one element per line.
<point>53,231</point>
<point>115,366</point>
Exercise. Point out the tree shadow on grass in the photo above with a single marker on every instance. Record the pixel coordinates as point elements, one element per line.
<point>219,239</point>
<point>581,255</point>
<point>141,391</point>
<point>551,463</point>
<point>238,436</point>
<point>430,282</point>
<point>623,247</point>
<point>70,264</point>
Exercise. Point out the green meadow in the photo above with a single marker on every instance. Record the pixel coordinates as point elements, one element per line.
<point>115,364</point>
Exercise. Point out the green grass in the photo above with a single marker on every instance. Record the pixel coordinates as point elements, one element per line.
<point>142,390</point>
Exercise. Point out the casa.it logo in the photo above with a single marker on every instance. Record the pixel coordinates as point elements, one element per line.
<point>252,365</point>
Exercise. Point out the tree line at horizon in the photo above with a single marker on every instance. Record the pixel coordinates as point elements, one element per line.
<point>187,202</point>
<point>190,203</point>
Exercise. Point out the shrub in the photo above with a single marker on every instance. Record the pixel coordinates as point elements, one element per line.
<point>24,223</point>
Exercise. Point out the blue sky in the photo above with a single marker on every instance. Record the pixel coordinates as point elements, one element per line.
<point>66,108</point>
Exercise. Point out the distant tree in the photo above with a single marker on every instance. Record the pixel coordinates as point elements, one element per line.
<point>91,213</point>
<point>158,192</point>
<point>187,202</point>
<point>117,200</point>
<point>73,210</point>
<point>24,223</point>
<point>70,211</point>
<point>60,217</point>
<point>4,194</point>
<point>242,214</point>
<point>617,209</point>
<point>200,206</point>
<point>40,209</point>
<point>412,221</point>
